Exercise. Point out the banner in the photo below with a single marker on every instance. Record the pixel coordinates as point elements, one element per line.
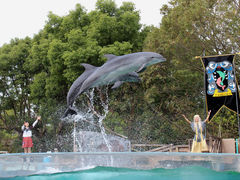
<point>220,83</point>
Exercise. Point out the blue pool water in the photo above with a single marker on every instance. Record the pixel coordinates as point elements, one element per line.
<point>120,166</point>
<point>110,173</point>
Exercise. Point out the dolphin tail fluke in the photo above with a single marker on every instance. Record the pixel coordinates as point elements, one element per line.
<point>70,111</point>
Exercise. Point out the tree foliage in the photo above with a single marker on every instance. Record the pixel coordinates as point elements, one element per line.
<point>189,29</point>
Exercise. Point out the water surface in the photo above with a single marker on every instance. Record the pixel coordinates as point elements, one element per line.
<point>111,173</point>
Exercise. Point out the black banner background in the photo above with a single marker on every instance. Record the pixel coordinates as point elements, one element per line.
<point>218,83</point>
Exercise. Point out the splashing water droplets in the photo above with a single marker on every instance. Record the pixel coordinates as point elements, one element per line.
<point>94,118</point>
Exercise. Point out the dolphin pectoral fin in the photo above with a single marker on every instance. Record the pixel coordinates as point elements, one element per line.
<point>117,84</point>
<point>142,68</point>
<point>134,77</point>
<point>137,79</point>
<point>68,111</point>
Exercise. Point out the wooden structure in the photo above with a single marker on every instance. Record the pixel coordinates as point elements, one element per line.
<point>172,148</point>
<point>3,152</point>
<point>159,148</point>
<point>214,145</point>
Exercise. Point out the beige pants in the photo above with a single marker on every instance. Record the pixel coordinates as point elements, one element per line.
<point>199,147</point>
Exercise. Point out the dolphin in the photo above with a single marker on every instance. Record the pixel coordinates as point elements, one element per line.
<point>118,66</point>
<point>222,75</point>
<point>75,88</point>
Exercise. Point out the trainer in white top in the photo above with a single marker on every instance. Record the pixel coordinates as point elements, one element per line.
<point>27,132</point>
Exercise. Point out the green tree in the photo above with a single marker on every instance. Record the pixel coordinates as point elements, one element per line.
<point>189,29</point>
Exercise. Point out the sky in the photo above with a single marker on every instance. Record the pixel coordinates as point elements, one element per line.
<point>21,18</point>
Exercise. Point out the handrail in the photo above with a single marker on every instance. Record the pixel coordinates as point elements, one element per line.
<point>162,148</point>
<point>3,152</point>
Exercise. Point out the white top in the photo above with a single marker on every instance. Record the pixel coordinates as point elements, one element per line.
<point>27,132</point>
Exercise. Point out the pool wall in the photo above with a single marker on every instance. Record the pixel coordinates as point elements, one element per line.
<point>12,165</point>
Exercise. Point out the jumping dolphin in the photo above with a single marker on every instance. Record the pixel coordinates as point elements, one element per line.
<point>74,90</point>
<point>117,66</point>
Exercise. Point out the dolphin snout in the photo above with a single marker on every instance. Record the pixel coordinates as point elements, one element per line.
<point>159,59</point>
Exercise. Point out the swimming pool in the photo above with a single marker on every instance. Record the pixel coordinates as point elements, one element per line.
<point>119,165</point>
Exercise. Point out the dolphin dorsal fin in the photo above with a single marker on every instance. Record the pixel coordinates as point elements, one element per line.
<point>88,66</point>
<point>110,56</point>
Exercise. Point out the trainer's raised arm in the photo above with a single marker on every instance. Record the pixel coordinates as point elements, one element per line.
<point>186,118</point>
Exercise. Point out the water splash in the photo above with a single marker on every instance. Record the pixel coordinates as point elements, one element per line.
<point>94,118</point>
<point>101,117</point>
<point>88,131</point>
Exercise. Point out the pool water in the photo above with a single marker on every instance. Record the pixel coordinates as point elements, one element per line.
<point>111,173</point>
<point>120,165</point>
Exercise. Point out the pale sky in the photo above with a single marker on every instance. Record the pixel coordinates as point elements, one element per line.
<point>21,18</point>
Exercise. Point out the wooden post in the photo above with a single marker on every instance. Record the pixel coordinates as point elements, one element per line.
<point>189,144</point>
<point>210,144</point>
<point>237,103</point>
